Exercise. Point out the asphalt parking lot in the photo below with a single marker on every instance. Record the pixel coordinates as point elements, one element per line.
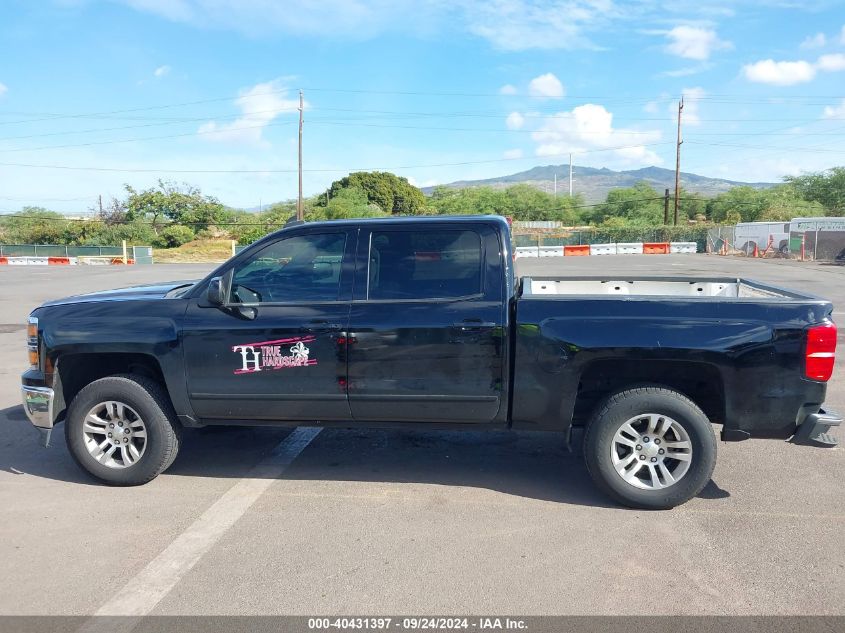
<point>387,522</point>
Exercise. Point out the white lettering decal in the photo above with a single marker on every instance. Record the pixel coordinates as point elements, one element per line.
<point>245,351</point>
<point>268,355</point>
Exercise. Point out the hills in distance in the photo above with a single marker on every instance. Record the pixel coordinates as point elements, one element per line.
<point>594,183</point>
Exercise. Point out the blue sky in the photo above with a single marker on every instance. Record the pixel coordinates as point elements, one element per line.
<point>94,94</point>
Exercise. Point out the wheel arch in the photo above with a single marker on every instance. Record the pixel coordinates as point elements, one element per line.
<point>76,370</point>
<point>701,382</point>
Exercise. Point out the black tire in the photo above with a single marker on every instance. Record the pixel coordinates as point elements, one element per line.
<point>153,405</point>
<point>621,407</point>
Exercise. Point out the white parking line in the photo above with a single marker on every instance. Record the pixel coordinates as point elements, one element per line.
<point>143,592</point>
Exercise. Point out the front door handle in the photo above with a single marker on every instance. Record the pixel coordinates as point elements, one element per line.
<point>320,326</point>
<point>473,325</point>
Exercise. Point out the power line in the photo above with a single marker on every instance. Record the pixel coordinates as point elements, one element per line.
<point>712,98</point>
<point>787,149</point>
<point>149,138</point>
<point>327,170</point>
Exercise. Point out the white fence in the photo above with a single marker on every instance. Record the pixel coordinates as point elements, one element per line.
<point>627,248</point>
<point>602,249</point>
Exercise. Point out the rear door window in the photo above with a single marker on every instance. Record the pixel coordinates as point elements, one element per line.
<point>434,264</point>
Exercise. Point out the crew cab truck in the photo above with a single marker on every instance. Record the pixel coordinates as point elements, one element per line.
<point>422,323</point>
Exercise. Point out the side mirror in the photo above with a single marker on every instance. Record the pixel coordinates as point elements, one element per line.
<point>216,294</point>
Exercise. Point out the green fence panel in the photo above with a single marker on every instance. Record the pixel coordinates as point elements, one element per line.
<point>142,254</point>
<point>57,250</point>
<point>17,250</point>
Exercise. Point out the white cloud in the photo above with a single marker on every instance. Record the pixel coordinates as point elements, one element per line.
<point>422,183</point>
<point>652,107</point>
<point>685,72</point>
<point>507,89</point>
<point>512,25</point>
<point>835,112</point>
<point>547,86</point>
<point>518,25</point>
<point>3,89</point>
<point>814,41</point>
<point>515,121</point>
<point>589,127</point>
<point>355,19</point>
<point>161,71</point>
<point>694,42</point>
<point>831,63</point>
<point>259,105</point>
<point>512,154</point>
<point>768,71</point>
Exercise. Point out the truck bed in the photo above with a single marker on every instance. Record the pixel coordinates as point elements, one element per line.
<point>653,287</point>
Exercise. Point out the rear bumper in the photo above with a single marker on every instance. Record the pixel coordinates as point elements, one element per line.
<point>38,405</point>
<point>815,429</point>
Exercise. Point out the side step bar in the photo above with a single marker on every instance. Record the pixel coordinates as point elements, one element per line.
<point>814,431</point>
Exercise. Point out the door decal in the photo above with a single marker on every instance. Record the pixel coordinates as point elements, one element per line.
<point>256,357</point>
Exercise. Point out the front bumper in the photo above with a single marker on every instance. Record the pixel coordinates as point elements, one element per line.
<point>815,429</point>
<point>38,405</point>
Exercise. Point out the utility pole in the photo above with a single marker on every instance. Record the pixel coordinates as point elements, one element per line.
<point>299,210</point>
<point>666,207</point>
<point>555,189</point>
<point>100,201</point>
<point>678,161</point>
<point>570,175</point>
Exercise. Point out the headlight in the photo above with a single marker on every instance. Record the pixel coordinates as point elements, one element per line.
<point>32,341</point>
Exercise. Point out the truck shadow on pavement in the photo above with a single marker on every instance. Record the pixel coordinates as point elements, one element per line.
<point>531,465</point>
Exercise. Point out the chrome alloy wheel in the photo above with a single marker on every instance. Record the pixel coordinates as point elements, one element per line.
<point>115,434</point>
<point>651,451</point>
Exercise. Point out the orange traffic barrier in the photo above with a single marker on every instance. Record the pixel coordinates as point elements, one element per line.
<point>582,250</point>
<point>52,261</point>
<point>119,260</point>
<point>655,248</point>
<point>4,260</point>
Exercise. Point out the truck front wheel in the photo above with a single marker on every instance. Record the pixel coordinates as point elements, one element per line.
<point>122,430</point>
<point>650,448</point>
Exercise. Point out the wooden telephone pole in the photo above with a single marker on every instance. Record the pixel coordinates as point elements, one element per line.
<point>678,161</point>
<point>299,211</point>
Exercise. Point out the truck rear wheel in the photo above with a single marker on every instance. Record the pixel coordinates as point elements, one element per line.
<point>650,448</point>
<point>122,430</point>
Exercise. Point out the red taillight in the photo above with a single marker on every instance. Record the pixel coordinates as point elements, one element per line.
<point>821,352</point>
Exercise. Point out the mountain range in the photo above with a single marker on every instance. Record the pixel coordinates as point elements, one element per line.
<point>594,183</point>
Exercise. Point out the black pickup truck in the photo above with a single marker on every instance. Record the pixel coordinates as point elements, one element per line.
<point>421,322</point>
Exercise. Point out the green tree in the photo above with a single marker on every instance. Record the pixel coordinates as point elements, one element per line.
<point>779,204</point>
<point>522,202</point>
<point>640,205</point>
<point>34,225</point>
<point>748,202</point>
<point>825,187</point>
<point>392,193</point>
<point>351,202</point>
<point>183,204</point>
